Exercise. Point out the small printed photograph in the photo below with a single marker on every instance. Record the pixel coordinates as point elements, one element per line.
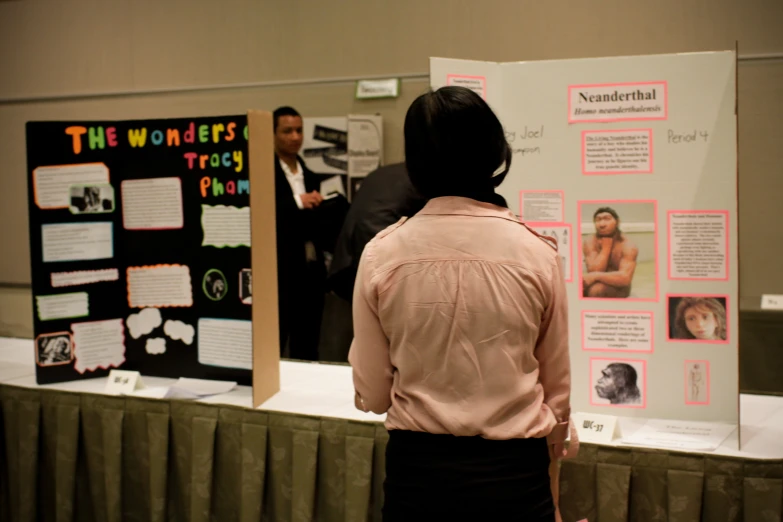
<point>92,199</point>
<point>54,349</point>
<point>618,250</point>
<point>697,382</point>
<point>698,319</point>
<point>618,382</point>
<point>215,284</point>
<point>246,286</point>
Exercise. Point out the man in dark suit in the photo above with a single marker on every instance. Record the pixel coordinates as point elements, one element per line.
<point>385,196</point>
<point>301,272</point>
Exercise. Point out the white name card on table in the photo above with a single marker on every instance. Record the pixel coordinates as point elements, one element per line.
<point>596,428</point>
<point>675,434</point>
<point>123,382</point>
<point>771,302</point>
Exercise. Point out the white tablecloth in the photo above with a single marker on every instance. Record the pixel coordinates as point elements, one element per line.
<point>327,390</point>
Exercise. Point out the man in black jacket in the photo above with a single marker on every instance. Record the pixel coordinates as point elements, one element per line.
<point>385,196</point>
<point>301,272</point>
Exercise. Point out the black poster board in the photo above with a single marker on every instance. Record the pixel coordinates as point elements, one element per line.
<point>139,235</point>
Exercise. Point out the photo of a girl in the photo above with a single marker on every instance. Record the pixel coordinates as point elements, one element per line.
<point>697,318</point>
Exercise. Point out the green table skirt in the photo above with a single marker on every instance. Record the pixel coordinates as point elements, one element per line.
<point>85,457</point>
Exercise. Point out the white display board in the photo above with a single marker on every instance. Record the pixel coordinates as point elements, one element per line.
<point>651,140</point>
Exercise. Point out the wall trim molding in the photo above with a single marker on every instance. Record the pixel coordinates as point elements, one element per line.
<point>346,80</point>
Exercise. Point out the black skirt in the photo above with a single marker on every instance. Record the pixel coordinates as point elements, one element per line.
<point>447,478</point>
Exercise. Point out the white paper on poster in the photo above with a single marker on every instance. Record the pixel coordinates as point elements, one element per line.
<point>98,344</point>
<point>84,277</point>
<point>225,226</point>
<point>563,235</point>
<point>52,185</point>
<point>676,434</point>
<point>179,331</point>
<point>225,342</point>
<point>77,241</point>
<point>699,245</point>
<point>617,102</point>
<point>541,206</point>
<point>624,331</point>
<point>143,322</point>
<point>155,346</point>
<point>159,285</point>
<point>152,204</point>
<point>365,144</point>
<point>617,151</point>
<point>62,306</point>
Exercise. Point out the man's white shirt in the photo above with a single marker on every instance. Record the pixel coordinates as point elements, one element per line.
<point>296,180</point>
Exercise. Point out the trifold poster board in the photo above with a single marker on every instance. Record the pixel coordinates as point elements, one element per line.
<point>630,163</point>
<point>140,236</point>
<point>343,150</point>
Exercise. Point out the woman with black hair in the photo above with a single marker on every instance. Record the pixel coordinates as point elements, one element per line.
<point>461,334</point>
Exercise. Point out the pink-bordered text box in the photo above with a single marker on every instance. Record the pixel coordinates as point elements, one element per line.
<point>579,253</point>
<point>649,168</point>
<point>690,401</point>
<point>612,118</point>
<point>669,318</point>
<point>640,376</point>
<point>477,84</point>
<point>618,313</point>
<point>725,214</point>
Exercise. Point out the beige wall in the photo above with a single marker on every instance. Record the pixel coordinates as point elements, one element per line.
<point>55,48</point>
